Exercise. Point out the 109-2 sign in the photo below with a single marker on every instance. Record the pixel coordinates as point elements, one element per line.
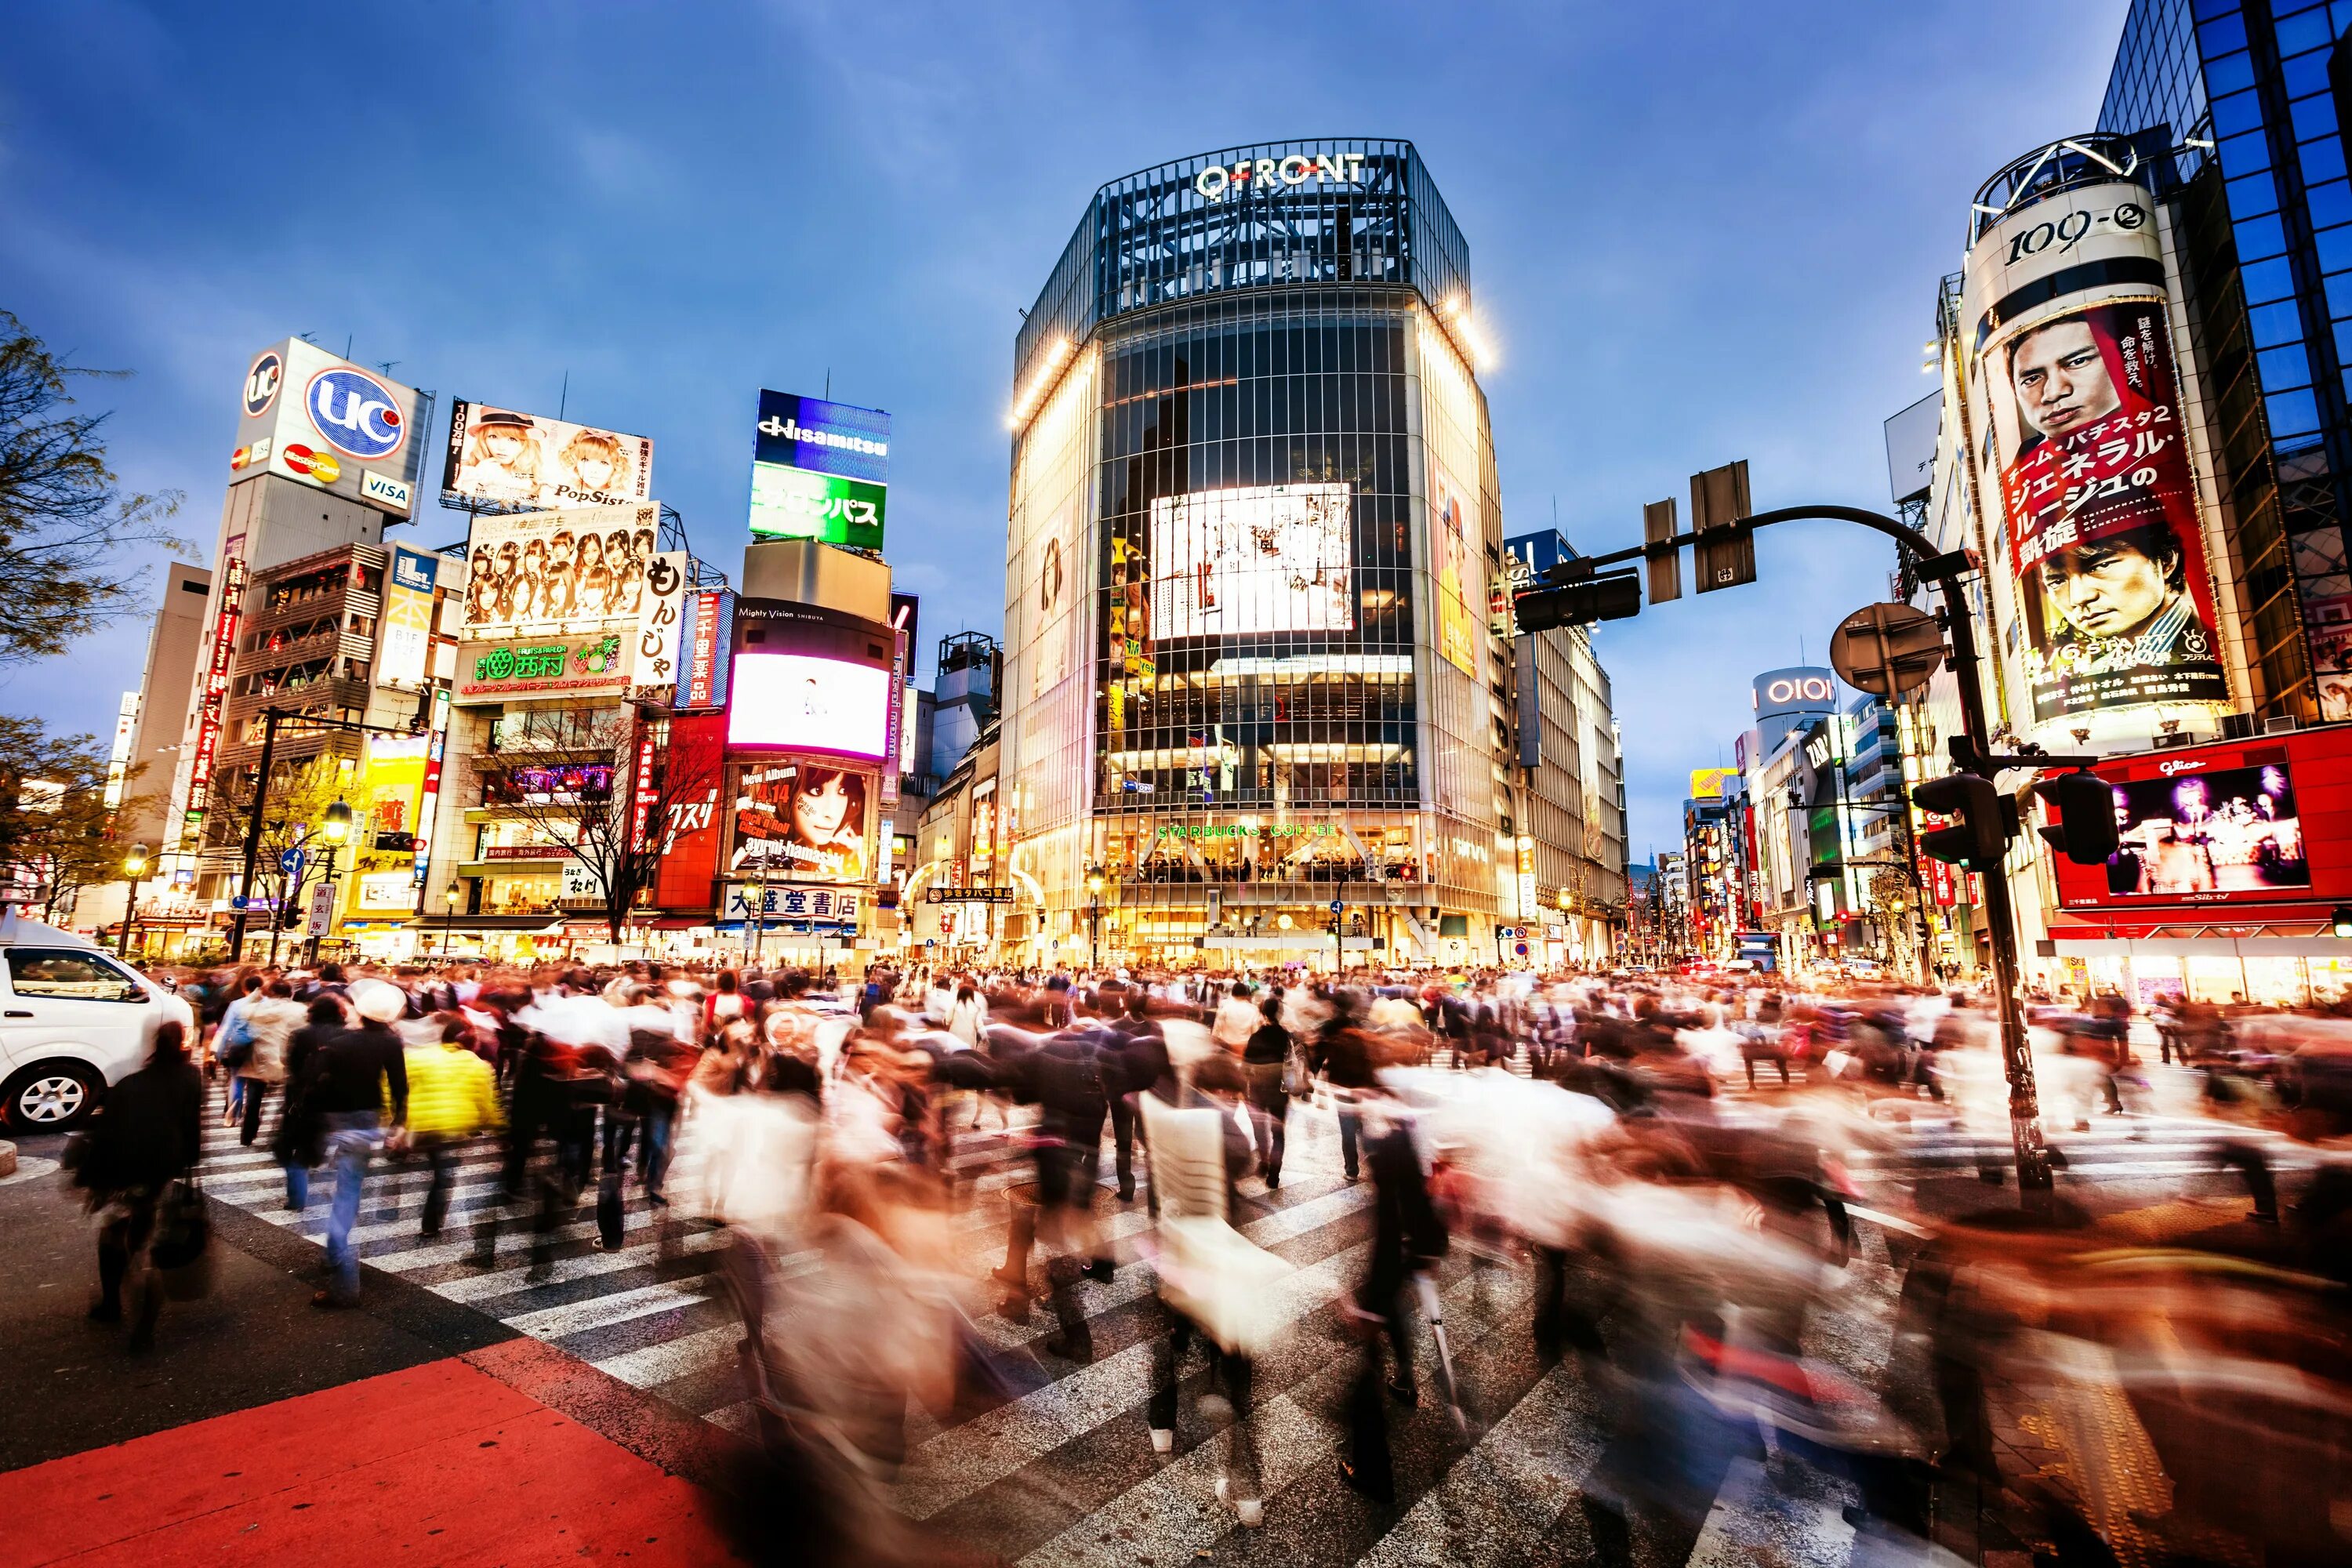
<point>2068,231</point>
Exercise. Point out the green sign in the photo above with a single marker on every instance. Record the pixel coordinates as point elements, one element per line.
<point>794,503</point>
<point>585,663</point>
<point>1236,830</point>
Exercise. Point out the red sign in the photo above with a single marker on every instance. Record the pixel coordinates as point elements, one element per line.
<point>215,691</point>
<point>689,861</point>
<point>2262,823</point>
<point>641,799</point>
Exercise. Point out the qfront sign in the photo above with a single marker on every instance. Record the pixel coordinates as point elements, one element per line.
<point>1218,180</point>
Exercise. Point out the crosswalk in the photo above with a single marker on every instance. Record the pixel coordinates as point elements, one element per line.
<point>1059,1468</point>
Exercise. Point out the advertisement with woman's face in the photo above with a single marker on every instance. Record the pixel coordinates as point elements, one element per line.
<point>802,821</point>
<point>2105,550</point>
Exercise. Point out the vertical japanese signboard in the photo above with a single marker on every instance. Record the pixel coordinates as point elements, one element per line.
<point>215,698</point>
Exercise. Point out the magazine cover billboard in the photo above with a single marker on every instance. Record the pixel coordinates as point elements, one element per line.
<point>2110,586</point>
<point>557,573</point>
<point>502,458</point>
<point>802,820</point>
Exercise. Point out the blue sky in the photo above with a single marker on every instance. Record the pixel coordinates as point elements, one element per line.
<point>1698,232</point>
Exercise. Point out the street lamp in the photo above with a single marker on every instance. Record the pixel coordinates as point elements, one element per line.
<point>456,896</point>
<point>135,866</point>
<point>334,826</point>
<point>1094,917</point>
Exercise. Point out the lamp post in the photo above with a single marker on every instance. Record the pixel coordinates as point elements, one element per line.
<point>1094,917</point>
<point>454,896</point>
<point>334,826</point>
<point>135,866</point>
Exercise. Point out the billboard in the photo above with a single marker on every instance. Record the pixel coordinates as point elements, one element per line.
<point>326,423</point>
<point>558,573</point>
<point>405,654</point>
<point>802,821</point>
<point>2226,830</point>
<point>503,458</point>
<point>2264,822</point>
<point>1260,558</point>
<point>1911,448</point>
<point>704,641</point>
<point>2110,597</point>
<point>820,470</point>
<point>661,614</point>
<point>804,703</point>
<point>1706,784</point>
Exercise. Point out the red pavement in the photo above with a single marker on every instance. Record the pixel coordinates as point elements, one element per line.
<point>442,1463</point>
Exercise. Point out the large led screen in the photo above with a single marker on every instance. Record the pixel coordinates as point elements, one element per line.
<point>1263,558</point>
<point>2232,830</point>
<point>803,703</point>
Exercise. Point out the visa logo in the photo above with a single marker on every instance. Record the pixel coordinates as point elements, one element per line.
<point>383,488</point>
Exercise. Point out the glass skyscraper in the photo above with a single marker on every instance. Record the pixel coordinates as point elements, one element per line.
<point>1253,542</point>
<point>2250,94</point>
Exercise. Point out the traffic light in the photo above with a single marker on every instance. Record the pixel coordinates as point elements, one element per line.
<point>1979,831</point>
<point>2341,923</point>
<point>1611,596</point>
<point>1726,556</point>
<point>2086,830</point>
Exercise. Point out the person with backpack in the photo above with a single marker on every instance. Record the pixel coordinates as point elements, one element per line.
<point>146,1136</point>
<point>267,1019</point>
<point>299,1143</point>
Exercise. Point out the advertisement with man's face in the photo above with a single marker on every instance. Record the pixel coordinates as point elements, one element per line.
<point>2107,556</point>
<point>499,456</point>
<point>802,821</point>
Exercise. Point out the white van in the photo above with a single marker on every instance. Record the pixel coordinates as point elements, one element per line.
<point>74,1021</point>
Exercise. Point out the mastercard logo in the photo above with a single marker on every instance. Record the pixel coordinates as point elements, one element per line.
<point>312,464</point>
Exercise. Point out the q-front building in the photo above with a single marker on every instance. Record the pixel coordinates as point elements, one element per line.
<point>1256,706</point>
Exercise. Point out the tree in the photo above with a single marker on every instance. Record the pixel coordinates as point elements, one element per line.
<point>296,806</point>
<point>579,783</point>
<point>66,530</point>
<point>58,835</point>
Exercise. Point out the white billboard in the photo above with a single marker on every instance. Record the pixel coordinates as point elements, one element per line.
<point>499,456</point>
<point>553,574</point>
<point>1261,558</point>
<point>330,424</point>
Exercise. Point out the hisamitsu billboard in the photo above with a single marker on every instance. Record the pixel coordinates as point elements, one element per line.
<point>820,437</point>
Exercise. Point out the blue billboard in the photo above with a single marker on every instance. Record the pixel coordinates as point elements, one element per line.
<point>820,437</point>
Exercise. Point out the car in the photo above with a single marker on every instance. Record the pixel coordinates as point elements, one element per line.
<point>75,1020</point>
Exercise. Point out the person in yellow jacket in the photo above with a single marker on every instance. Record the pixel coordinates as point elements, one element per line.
<point>452,1095</point>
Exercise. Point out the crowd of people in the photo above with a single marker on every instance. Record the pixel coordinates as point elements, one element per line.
<point>1678,1164</point>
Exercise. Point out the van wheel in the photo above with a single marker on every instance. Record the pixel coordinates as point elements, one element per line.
<point>51,1097</point>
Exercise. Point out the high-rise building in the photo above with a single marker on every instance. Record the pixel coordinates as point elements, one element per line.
<point>1573,770</point>
<point>2144,435</point>
<point>2244,101</point>
<point>1255,707</point>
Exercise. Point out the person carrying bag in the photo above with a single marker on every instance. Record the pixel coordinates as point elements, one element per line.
<point>136,1167</point>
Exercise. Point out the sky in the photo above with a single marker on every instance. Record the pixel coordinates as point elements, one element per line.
<point>1698,232</point>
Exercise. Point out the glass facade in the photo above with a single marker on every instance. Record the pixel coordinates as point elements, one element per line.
<point>2246,90</point>
<point>1253,536</point>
